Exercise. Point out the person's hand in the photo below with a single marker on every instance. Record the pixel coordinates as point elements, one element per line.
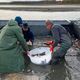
<point>59,45</point>
<point>27,52</point>
<point>49,43</point>
<point>29,43</point>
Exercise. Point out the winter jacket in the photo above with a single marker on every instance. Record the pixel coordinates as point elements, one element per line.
<point>60,35</point>
<point>12,45</point>
<point>28,35</point>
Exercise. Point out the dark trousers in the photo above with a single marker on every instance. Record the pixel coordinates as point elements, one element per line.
<point>61,51</point>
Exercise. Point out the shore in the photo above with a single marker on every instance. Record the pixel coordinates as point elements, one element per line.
<point>39,15</point>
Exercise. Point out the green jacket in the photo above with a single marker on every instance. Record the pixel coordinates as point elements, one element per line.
<point>12,45</point>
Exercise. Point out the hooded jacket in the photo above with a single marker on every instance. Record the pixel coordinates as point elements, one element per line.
<point>12,45</point>
<point>18,19</point>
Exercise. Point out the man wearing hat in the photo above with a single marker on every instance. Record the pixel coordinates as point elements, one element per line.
<point>18,19</point>
<point>61,38</point>
<point>28,35</point>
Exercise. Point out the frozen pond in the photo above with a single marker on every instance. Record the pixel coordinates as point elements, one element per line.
<point>36,15</point>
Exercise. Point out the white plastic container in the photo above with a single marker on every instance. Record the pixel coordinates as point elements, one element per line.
<point>40,56</point>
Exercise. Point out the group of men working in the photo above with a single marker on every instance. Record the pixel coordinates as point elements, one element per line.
<point>13,38</point>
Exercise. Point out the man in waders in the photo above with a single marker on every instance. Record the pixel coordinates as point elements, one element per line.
<point>61,38</point>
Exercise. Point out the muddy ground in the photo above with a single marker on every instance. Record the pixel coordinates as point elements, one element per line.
<point>65,70</point>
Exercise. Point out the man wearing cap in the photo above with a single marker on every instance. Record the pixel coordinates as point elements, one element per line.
<point>18,19</point>
<point>61,38</point>
<point>28,35</point>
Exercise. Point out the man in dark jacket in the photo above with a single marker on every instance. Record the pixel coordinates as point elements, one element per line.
<point>61,37</point>
<point>28,35</point>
